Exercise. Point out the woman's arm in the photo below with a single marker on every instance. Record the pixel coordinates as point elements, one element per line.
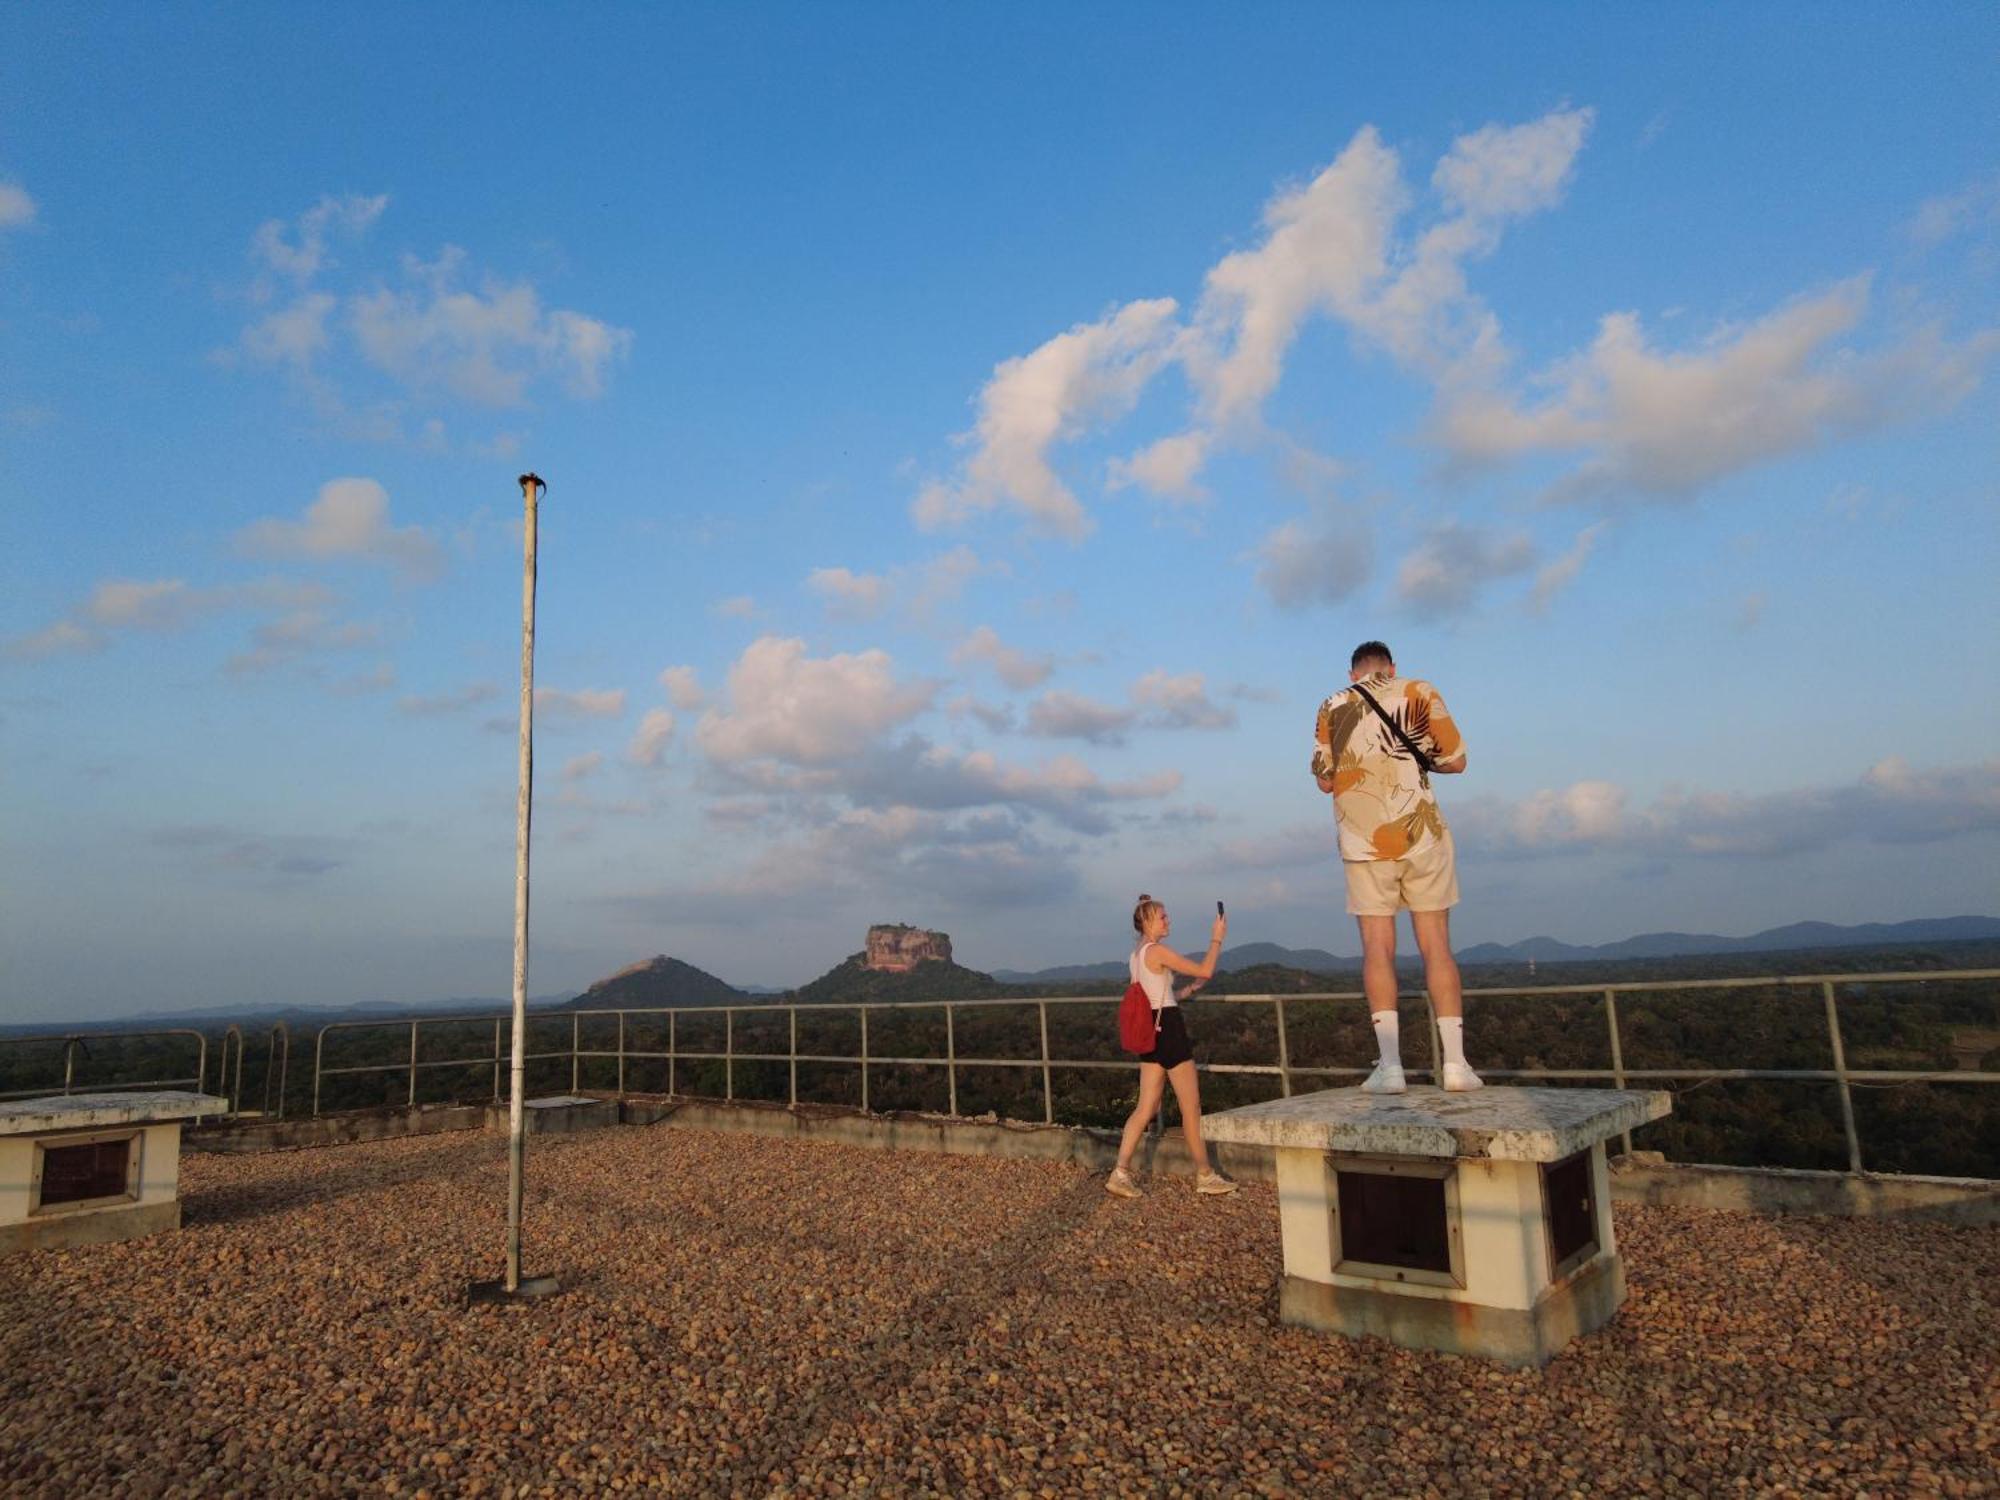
<point>1160,956</point>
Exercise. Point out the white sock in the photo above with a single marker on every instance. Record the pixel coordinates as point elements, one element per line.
<point>1451,1032</point>
<point>1388,1037</point>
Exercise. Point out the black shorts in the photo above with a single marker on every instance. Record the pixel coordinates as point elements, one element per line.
<point>1170,1047</point>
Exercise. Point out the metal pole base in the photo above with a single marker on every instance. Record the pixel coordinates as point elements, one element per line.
<point>531,1289</point>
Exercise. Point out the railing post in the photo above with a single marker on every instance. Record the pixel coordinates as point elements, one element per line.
<point>496,1059</point>
<point>1840,1071</point>
<point>69,1063</point>
<point>319,1046</point>
<point>413,1065</point>
<point>1617,1054</point>
<point>1048,1085</point>
<point>621,1054</point>
<point>864,1059</point>
<point>575,1055</point>
<point>795,1055</point>
<point>673,1047</point>
<point>729,1055</point>
<point>951,1059</point>
<point>1284,1049</point>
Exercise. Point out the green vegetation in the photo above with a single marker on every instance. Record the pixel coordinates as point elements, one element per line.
<point>1938,1026</point>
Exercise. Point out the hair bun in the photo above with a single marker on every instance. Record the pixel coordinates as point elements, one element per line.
<point>1144,897</point>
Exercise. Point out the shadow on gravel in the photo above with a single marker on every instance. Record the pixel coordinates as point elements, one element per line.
<point>242,1201</point>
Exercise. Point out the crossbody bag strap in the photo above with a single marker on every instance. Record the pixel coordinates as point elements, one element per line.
<point>1424,762</point>
<point>1158,1010</point>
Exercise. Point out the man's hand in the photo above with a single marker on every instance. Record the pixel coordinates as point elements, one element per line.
<point>1450,767</point>
<point>1325,783</point>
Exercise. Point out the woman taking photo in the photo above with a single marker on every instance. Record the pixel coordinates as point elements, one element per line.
<point>1153,966</point>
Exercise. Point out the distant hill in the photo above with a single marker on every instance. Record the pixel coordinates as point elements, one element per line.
<point>1797,935</point>
<point>933,979</point>
<point>655,983</point>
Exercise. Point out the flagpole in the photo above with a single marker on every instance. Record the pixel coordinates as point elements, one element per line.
<point>531,489</point>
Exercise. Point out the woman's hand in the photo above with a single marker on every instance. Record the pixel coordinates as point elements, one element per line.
<point>1189,991</point>
<point>1220,930</point>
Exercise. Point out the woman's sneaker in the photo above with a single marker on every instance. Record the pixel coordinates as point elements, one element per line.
<point>1386,1079</point>
<point>1460,1079</point>
<point>1214,1184</point>
<point>1120,1184</point>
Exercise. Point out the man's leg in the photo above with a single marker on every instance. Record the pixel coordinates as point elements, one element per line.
<point>1433,930</point>
<point>1378,982</point>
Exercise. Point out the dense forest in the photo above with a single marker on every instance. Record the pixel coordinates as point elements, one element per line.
<point>1931,1026</point>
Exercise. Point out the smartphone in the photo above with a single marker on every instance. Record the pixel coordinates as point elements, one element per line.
<point>1219,911</point>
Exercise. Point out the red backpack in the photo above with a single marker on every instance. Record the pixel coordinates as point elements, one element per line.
<point>1138,1022</point>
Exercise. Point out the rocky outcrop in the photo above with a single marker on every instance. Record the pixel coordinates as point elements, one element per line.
<point>896,949</point>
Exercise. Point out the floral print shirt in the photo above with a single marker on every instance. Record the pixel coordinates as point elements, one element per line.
<point>1382,802</point>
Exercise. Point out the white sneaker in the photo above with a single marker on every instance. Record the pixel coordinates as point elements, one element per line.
<point>1460,1079</point>
<point>1120,1184</point>
<point>1213,1184</point>
<point>1387,1079</point>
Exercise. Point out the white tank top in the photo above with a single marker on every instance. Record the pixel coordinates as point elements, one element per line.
<point>1159,987</point>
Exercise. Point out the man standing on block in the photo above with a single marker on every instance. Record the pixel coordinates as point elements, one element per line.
<point>1379,742</point>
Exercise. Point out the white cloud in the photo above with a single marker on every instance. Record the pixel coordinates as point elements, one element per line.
<point>683,687</point>
<point>363,348</point>
<point>784,705</point>
<point>285,639</point>
<point>577,767</point>
<point>1443,574</point>
<point>581,703</point>
<point>1663,425</point>
<point>1060,715</point>
<point>736,607</point>
<point>470,696</point>
<point>1180,702</point>
<point>1169,468</point>
<point>1892,803</point>
<point>1018,669</point>
<point>348,519</point>
<point>1321,561</point>
<point>1092,373</point>
<point>298,250</point>
<point>656,734</point>
<point>1940,218</point>
<point>1559,572</point>
<point>63,638</point>
<point>484,345</point>
<point>17,209</point>
<point>853,596</point>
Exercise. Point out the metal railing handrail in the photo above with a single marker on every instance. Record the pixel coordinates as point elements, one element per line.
<point>1284,1069</point>
<point>74,1040</point>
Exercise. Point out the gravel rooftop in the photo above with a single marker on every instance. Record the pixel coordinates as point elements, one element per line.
<point>749,1316</point>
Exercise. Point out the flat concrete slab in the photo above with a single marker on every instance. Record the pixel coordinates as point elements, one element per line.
<point>92,1111</point>
<point>1491,1124</point>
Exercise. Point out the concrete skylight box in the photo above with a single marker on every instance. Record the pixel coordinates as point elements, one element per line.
<point>88,1169</point>
<point>1475,1223</point>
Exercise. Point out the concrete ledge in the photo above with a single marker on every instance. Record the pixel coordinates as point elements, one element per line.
<point>563,1114</point>
<point>100,1226</point>
<point>334,1130</point>
<point>1581,1304</point>
<point>1971,1202</point>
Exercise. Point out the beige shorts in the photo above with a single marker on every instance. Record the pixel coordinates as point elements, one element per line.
<point>1424,881</point>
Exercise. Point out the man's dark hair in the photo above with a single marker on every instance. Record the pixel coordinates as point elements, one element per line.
<point>1367,651</point>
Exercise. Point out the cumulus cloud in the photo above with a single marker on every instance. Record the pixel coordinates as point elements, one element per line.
<point>1019,669</point>
<point>916,773</point>
<point>1321,560</point>
<point>1892,803</point>
<point>160,604</point>
<point>348,519</point>
<point>1169,468</point>
<point>458,701</point>
<point>63,638</point>
<point>1940,218</point>
<point>1662,425</point>
<point>683,685</point>
<point>1559,572</point>
<point>1060,715</point>
<point>853,596</point>
<point>17,209</point>
<point>1159,700</point>
<point>1090,374</point>
<point>782,704</point>
<point>579,767</point>
<point>655,735</point>
<point>365,349</point>
<point>1443,574</point>
<point>284,640</point>
<point>1180,702</point>
<point>580,703</point>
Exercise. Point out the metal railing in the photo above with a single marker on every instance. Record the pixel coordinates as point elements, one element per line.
<point>1283,1069</point>
<point>79,1041</point>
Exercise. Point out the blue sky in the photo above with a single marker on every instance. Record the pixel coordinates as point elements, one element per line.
<point>975,438</point>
